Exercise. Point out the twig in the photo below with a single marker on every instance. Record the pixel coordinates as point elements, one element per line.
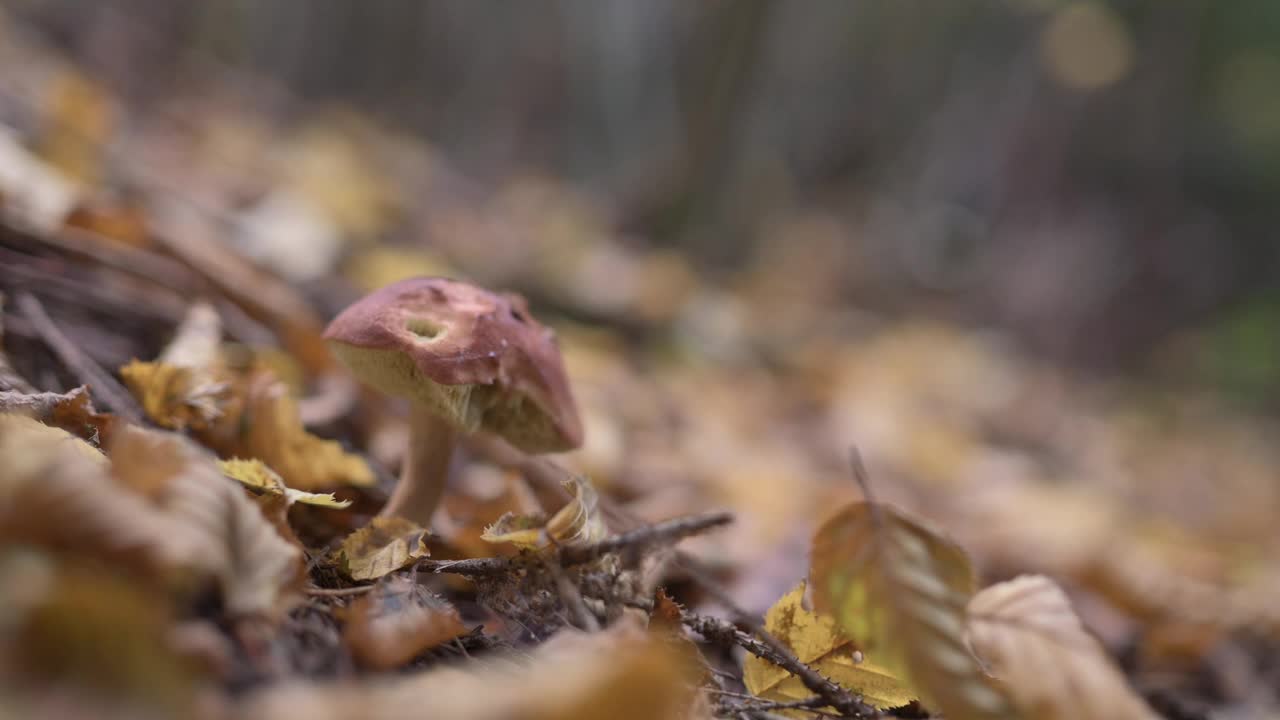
<point>339,592</point>
<point>725,633</point>
<point>568,555</point>
<point>112,393</point>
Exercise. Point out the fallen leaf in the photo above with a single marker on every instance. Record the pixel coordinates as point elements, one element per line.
<point>383,546</point>
<point>1052,668</point>
<point>82,628</point>
<point>398,621</point>
<point>72,411</point>
<point>258,570</point>
<point>580,520</point>
<point>255,474</point>
<point>56,493</point>
<point>178,398</point>
<point>899,589</point>
<point>817,642</point>
<point>621,673</point>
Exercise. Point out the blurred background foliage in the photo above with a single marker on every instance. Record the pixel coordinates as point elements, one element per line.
<point>1097,178</point>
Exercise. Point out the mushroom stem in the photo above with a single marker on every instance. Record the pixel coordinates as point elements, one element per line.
<point>426,467</point>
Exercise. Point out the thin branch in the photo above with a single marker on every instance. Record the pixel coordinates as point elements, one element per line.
<point>579,554</point>
<point>113,395</point>
<point>339,592</point>
<point>725,633</point>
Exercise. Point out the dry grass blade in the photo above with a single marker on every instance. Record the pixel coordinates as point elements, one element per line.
<point>899,590</point>
<point>1027,633</point>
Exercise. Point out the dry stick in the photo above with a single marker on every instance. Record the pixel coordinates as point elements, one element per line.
<point>578,554</point>
<point>725,633</point>
<point>339,592</point>
<point>113,395</point>
<point>9,378</point>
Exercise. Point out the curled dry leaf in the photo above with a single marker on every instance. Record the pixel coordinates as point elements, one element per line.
<point>255,475</point>
<point>817,642</point>
<point>385,545</point>
<point>899,589</point>
<point>56,492</point>
<point>622,673</point>
<point>72,411</point>
<point>398,621</point>
<point>176,397</point>
<point>578,521</point>
<point>1028,635</point>
<point>258,570</point>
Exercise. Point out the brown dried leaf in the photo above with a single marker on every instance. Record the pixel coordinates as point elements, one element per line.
<point>383,546</point>
<point>621,673</point>
<point>72,411</point>
<point>1028,635</point>
<point>899,589</point>
<point>398,621</point>
<point>176,397</point>
<point>817,641</point>
<point>56,492</point>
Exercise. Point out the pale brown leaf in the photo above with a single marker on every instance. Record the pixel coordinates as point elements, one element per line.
<point>1028,635</point>
<point>383,546</point>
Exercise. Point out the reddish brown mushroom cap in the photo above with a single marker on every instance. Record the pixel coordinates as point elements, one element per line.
<point>478,358</point>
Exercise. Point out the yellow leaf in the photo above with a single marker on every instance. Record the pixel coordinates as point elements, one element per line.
<point>383,546</point>
<point>80,120</point>
<point>579,520</point>
<point>898,589</point>
<point>255,474</point>
<point>817,641</point>
<point>176,397</point>
<point>1053,669</point>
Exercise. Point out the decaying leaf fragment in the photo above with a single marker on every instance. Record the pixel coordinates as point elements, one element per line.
<point>398,621</point>
<point>72,411</point>
<point>899,589</point>
<point>178,397</point>
<point>385,545</point>
<point>816,641</point>
<point>1028,635</point>
<point>622,673</point>
<point>255,475</point>
<point>578,521</point>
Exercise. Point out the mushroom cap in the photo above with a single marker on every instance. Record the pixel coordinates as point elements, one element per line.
<point>477,358</point>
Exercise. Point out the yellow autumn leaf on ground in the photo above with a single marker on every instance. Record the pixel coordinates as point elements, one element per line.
<point>177,398</point>
<point>816,641</point>
<point>899,590</point>
<point>580,520</point>
<point>255,474</point>
<point>1028,635</point>
<point>385,545</point>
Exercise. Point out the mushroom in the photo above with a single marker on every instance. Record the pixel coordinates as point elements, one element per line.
<point>468,360</point>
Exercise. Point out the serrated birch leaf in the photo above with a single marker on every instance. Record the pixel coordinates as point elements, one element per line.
<point>255,475</point>
<point>579,520</point>
<point>1030,638</point>
<point>817,641</point>
<point>383,546</point>
<point>398,621</point>
<point>899,589</point>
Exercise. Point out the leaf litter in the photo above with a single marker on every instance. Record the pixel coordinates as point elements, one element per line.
<point>222,557</point>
